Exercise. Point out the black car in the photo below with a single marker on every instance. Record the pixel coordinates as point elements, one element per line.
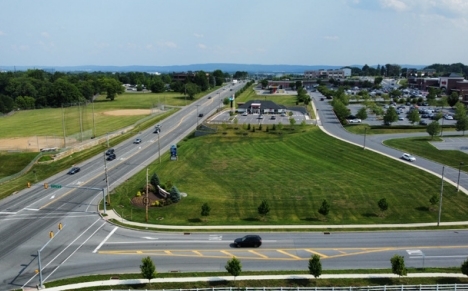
<point>110,152</point>
<point>200,115</point>
<point>157,128</point>
<point>111,157</point>
<point>248,241</point>
<point>73,170</point>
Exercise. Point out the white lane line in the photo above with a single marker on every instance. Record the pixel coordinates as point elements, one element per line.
<point>52,197</point>
<point>74,251</point>
<point>31,209</point>
<point>107,237</point>
<point>43,268</point>
<point>7,212</point>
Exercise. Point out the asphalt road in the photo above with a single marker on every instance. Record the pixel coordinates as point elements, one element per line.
<point>89,245</point>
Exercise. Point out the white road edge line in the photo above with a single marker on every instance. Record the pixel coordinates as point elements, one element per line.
<point>104,241</point>
<point>56,268</point>
<point>43,268</point>
<point>4,212</point>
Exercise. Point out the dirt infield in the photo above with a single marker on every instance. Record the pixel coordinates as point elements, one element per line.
<point>32,143</point>
<point>129,112</point>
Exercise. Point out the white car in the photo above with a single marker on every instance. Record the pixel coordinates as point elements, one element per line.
<point>408,157</point>
<point>448,117</point>
<point>357,120</point>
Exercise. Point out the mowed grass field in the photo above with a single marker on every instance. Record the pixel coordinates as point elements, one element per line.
<point>12,163</point>
<point>48,122</point>
<point>294,173</point>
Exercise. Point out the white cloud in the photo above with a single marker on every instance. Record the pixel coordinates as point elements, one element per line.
<point>202,46</point>
<point>197,35</point>
<point>168,44</point>
<point>394,4</point>
<point>21,47</point>
<point>149,46</point>
<point>45,34</point>
<point>2,33</point>
<point>331,37</point>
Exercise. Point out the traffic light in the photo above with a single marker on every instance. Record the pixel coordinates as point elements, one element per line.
<point>46,185</point>
<point>29,184</point>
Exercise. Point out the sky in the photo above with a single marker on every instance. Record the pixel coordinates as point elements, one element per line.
<point>184,32</point>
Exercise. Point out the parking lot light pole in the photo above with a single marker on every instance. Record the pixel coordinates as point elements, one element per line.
<point>365,133</point>
<point>459,172</point>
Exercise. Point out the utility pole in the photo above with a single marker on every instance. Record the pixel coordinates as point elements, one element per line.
<point>81,121</point>
<point>365,133</point>
<point>197,114</point>
<point>459,172</point>
<point>159,149</point>
<point>441,194</point>
<point>63,127</point>
<point>107,179</point>
<point>94,123</point>
<point>147,201</point>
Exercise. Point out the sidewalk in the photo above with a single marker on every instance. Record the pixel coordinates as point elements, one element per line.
<point>111,214</point>
<point>256,277</point>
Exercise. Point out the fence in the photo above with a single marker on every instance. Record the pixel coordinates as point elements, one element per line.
<point>23,171</point>
<point>438,287</point>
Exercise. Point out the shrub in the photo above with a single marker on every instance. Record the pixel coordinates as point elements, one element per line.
<point>138,194</point>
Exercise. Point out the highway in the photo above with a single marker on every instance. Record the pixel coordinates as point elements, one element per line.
<point>88,244</point>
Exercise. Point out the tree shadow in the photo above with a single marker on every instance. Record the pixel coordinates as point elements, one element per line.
<point>194,220</point>
<point>422,208</point>
<point>370,214</point>
<point>251,219</point>
<point>218,283</point>
<point>300,282</point>
<point>315,219</point>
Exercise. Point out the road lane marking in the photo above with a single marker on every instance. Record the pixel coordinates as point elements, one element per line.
<point>168,252</point>
<point>288,254</point>
<point>31,209</point>
<point>148,237</point>
<point>227,253</point>
<point>52,197</point>
<point>258,254</point>
<point>198,253</point>
<point>105,239</point>
<point>4,212</point>
<point>316,253</point>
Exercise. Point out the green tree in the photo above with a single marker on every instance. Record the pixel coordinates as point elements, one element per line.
<point>155,181</point>
<point>158,86</point>
<point>148,269</point>
<point>340,110</point>
<point>174,194</point>
<point>464,267</point>
<point>233,267</point>
<point>264,83</point>
<point>362,113</point>
<point>191,90</point>
<point>414,117</point>
<point>264,208</point>
<point>292,121</point>
<point>462,124</point>
<point>324,208</point>
<point>433,129</point>
<point>398,265</point>
<point>452,99</point>
<point>315,266</point>
<point>205,209</point>
<point>460,111</point>
<point>391,115</point>
<point>383,205</point>
<point>378,80</point>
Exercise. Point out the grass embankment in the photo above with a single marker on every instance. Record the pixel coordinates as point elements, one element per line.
<point>12,163</point>
<point>364,128</point>
<point>269,283</point>
<point>46,170</point>
<point>294,173</point>
<point>421,146</point>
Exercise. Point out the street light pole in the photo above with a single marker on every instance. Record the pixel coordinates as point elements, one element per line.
<point>159,148</point>
<point>107,179</point>
<point>365,133</point>
<point>459,172</point>
<point>441,194</point>
<point>197,114</point>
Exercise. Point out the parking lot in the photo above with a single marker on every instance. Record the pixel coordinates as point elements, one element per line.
<point>259,118</point>
<point>372,119</point>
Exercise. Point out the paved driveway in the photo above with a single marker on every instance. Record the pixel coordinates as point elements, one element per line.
<point>255,118</point>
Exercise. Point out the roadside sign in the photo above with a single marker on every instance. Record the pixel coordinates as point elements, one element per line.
<point>57,186</point>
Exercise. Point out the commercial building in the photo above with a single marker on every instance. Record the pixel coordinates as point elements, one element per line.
<point>331,73</point>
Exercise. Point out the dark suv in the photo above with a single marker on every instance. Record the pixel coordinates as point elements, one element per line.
<point>251,240</point>
<point>110,152</point>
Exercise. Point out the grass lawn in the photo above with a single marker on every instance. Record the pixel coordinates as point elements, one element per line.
<point>361,128</point>
<point>420,146</point>
<point>294,173</point>
<point>12,163</point>
<point>48,122</point>
<point>269,283</point>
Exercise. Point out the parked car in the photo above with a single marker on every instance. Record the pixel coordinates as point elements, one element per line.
<point>137,141</point>
<point>273,117</point>
<point>73,170</point>
<point>110,152</point>
<point>423,122</point>
<point>408,157</point>
<point>244,114</point>
<point>248,241</point>
<point>401,118</point>
<point>111,157</point>
<point>260,116</point>
<point>448,117</point>
<point>356,120</point>
<point>321,99</point>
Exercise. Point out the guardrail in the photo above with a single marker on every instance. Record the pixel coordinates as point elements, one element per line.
<point>438,287</point>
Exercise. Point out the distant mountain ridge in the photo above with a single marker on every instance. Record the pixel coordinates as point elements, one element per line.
<point>225,67</point>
